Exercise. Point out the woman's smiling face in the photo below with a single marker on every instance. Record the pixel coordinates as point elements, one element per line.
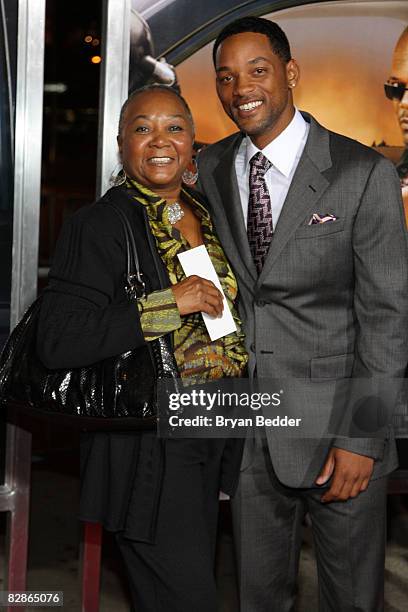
<point>156,140</point>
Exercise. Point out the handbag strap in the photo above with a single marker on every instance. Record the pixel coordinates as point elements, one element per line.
<point>135,287</point>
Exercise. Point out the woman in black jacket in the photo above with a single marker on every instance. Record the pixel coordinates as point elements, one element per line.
<point>160,497</point>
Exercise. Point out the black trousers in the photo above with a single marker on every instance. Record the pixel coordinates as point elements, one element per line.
<point>176,573</point>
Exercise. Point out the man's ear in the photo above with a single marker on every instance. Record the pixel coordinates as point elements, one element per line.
<point>292,73</point>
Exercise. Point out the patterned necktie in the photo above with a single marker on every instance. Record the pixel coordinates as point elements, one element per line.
<point>260,224</point>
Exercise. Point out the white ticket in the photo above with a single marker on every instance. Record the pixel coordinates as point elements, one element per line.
<point>197,261</point>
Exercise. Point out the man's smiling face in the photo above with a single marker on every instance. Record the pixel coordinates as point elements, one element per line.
<point>254,86</point>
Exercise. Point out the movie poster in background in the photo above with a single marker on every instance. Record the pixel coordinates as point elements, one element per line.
<point>344,49</point>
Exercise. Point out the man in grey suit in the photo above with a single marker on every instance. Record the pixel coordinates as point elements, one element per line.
<point>312,223</point>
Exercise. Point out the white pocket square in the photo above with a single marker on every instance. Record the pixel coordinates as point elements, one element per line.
<point>316,218</point>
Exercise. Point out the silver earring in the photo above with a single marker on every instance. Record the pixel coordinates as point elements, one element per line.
<point>189,177</point>
<point>117,178</point>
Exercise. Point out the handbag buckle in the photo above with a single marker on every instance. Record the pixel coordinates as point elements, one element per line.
<point>136,287</point>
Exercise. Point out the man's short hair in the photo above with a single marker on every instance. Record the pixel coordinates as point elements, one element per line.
<point>277,37</point>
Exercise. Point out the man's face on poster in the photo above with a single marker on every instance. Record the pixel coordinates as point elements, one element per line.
<point>399,78</point>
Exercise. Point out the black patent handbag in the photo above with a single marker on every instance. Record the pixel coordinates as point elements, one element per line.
<point>118,392</point>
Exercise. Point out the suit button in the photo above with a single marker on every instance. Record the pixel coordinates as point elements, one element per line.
<point>260,303</point>
<point>252,347</point>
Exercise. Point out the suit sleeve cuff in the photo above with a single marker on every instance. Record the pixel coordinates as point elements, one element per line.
<point>369,447</point>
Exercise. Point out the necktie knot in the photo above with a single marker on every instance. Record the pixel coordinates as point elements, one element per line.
<point>259,164</point>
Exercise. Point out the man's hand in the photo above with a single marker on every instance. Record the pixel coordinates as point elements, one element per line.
<point>352,473</point>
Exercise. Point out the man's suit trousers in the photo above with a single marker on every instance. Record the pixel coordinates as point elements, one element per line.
<point>349,540</point>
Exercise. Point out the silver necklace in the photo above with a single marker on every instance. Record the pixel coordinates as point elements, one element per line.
<point>175,212</point>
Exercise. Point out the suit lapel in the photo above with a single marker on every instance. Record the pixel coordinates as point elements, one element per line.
<point>228,215</point>
<point>308,185</point>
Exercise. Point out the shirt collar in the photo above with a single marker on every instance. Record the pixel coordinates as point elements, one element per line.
<point>282,151</point>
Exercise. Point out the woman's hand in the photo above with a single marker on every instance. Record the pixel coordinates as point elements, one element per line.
<point>196,294</point>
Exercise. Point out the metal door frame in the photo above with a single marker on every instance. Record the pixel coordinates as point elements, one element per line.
<point>15,492</point>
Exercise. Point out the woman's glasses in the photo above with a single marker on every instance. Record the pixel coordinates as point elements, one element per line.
<point>395,90</point>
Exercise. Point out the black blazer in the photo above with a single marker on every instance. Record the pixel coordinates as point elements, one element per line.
<point>85,317</point>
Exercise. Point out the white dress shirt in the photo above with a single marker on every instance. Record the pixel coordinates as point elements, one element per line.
<point>284,153</point>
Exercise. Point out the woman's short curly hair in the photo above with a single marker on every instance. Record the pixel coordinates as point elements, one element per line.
<point>154,87</point>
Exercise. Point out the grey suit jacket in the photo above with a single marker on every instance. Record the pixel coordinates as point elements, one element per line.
<point>332,300</point>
